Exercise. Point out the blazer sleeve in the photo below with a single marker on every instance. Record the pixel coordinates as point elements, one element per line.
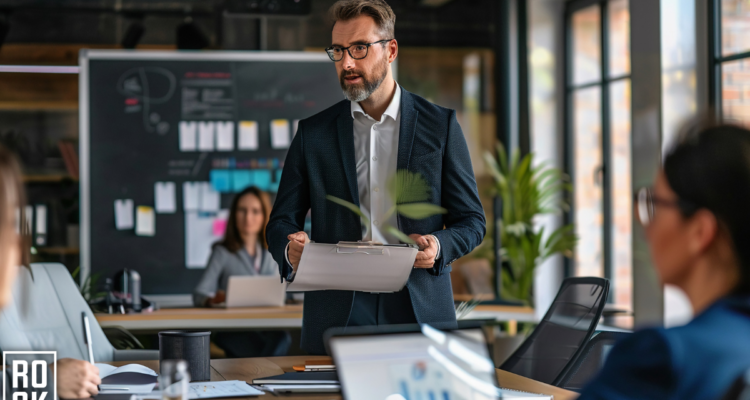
<point>292,202</point>
<point>465,221</point>
<point>639,367</point>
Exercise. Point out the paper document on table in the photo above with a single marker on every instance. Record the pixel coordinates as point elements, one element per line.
<point>213,390</point>
<point>354,266</point>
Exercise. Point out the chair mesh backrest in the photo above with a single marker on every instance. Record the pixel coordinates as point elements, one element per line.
<point>591,360</point>
<point>559,337</point>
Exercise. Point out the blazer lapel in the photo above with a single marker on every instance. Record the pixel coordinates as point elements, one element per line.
<point>346,147</point>
<point>406,134</point>
<point>406,129</point>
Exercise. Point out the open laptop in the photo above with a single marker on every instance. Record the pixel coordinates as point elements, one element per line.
<point>429,364</point>
<point>255,291</point>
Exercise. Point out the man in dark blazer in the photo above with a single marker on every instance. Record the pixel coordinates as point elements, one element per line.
<point>349,151</point>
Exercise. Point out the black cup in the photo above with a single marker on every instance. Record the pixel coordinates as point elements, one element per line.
<point>193,347</point>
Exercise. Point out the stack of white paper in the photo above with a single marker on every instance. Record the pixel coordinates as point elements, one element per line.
<point>375,269</point>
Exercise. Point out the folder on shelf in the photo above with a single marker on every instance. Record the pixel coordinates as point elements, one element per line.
<point>360,266</point>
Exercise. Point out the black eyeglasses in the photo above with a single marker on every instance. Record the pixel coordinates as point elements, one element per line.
<point>645,205</point>
<point>356,51</point>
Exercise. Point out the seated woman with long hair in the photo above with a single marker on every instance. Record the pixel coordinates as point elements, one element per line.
<point>697,223</point>
<point>243,251</point>
<point>75,378</point>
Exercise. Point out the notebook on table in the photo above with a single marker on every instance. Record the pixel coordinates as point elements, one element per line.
<point>300,378</point>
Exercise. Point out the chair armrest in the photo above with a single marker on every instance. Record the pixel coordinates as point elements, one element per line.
<point>135,355</point>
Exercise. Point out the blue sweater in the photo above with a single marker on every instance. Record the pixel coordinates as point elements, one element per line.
<point>697,361</point>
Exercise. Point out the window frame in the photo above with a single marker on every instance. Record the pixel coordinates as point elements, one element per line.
<point>716,59</point>
<point>604,83</point>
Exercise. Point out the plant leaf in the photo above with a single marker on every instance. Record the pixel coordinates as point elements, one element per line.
<point>409,187</point>
<point>400,235</point>
<point>352,207</point>
<point>420,210</point>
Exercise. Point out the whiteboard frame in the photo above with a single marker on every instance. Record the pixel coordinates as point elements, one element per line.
<point>85,55</point>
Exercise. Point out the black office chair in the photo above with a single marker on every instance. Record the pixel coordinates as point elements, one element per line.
<point>740,389</point>
<point>591,359</point>
<point>557,341</point>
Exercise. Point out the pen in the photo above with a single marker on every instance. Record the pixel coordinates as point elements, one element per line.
<point>87,336</point>
<point>87,340</point>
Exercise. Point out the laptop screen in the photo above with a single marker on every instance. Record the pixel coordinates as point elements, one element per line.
<point>431,365</point>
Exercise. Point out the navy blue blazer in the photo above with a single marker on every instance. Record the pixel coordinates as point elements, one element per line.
<point>697,361</point>
<point>321,161</point>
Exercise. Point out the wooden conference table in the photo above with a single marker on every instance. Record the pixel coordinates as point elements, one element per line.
<point>247,369</point>
<point>261,317</point>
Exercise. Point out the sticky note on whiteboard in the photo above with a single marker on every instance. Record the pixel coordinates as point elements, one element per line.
<point>248,136</point>
<point>124,214</point>
<point>280,134</point>
<point>225,136</point>
<point>145,222</point>
<point>206,133</point>
<point>165,197</point>
<point>188,135</point>
<point>210,198</point>
<point>191,194</point>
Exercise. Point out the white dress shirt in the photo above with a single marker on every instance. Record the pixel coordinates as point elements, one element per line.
<point>376,157</point>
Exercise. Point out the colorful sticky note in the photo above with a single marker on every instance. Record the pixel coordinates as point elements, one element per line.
<point>145,223</point>
<point>248,136</point>
<point>221,180</point>
<point>241,179</point>
<point>280,138</point>
<point>261,179</point>
<point>220,226</point>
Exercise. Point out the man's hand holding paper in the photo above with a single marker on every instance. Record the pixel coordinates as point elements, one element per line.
<point>297,242</point>
<point>428,250</point>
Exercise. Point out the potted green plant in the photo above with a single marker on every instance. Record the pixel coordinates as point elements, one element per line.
<point>527,191</point>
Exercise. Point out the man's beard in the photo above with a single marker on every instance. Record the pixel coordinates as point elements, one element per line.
<point>360,92</point>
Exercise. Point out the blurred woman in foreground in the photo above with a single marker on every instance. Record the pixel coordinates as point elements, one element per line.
<point>75,378</point>
<point>697,223</point>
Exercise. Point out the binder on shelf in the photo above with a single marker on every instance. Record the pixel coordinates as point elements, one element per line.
<point>40,225</point>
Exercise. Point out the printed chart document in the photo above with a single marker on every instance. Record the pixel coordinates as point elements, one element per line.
<point>354,266</point>
<point>214,390</point>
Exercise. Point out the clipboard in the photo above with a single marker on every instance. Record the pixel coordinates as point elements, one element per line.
<point>358,266</point>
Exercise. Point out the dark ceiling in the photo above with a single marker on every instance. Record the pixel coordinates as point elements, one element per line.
<point>456,23</point>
